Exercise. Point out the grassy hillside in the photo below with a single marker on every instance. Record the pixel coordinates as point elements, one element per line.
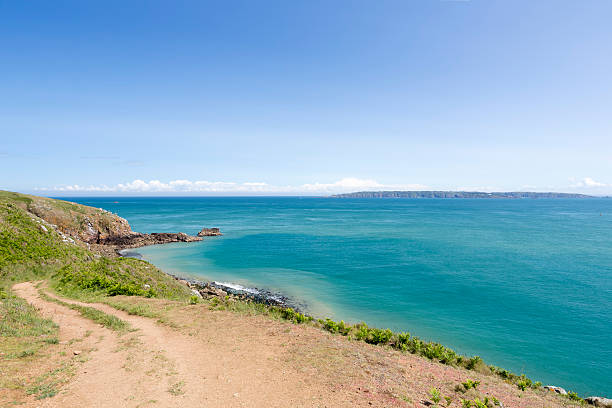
<point>31,248</point>
<point>87,224</point>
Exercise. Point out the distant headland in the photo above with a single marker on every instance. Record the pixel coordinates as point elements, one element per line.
<point>456,194</point>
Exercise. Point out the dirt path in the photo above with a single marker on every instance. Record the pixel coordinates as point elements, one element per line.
<point>222,359</point>
<point>158,366</point>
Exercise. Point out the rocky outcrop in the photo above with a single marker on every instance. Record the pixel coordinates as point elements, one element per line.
<point>599,402</point>
<point>87,224</point>
<point>209,232</point>
<point>136,239</point>
<point>553,388</point>
<point>98,229</point>
<point>209,290</point>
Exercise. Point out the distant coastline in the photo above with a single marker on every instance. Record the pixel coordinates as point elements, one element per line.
<point>458,194</point>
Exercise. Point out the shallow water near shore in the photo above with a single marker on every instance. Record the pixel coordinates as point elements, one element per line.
<point>525,284</point>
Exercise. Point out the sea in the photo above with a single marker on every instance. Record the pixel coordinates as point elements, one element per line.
<point>525,284</point>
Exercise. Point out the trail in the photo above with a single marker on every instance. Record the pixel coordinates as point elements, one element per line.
<point>162,367</point>
<point>206,358</point>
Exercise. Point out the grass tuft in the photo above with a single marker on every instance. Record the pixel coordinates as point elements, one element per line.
<point>106,320</point>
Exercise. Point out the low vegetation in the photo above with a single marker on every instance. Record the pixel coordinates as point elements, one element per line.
<point>32,250</point>
<point>400,341</point>
<point>104,319</point>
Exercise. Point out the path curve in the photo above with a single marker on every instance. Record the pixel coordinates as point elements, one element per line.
<point>162,367</point>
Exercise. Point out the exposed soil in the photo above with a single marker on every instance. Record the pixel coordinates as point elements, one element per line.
<point>207,358</point>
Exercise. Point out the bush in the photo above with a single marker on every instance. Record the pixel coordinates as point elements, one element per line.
<point>434,393</point>
<point>401,341</point>
<point>416,345</point>
<point>472,362</point>
<point>330,326</point>
<point>379,336</point>
<point>293,316</point>
<point>193,300</point>
<point>373,335</point>
<point>343,328</point>
<point>522,385</point>
<point>470,384</point>
<point>477,403</point>
<point>362,331</point>
<point>103,275</point>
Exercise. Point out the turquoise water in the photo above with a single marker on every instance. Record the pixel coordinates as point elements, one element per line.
<point>525,284</point>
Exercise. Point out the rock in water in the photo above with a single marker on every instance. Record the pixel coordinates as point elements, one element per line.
<point>209,232</point>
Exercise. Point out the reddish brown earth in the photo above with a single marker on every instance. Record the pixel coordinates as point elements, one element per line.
<point>209,358</point>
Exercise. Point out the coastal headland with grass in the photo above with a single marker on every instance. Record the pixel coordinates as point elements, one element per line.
<point>82,325</point>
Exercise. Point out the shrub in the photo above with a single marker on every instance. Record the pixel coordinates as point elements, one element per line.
<point>470,384</point>
<point>472,362</point>
<point>502,373</point>
<point>434,393</point>
<point>448,356</point>
<point>344,329</point>
<point>416,345</point>
<point>477,403</point>
<point>379,336</point>
<point>401,341</point>
<point>433,351</point>
<point>373,335</point>
<point>293,316</point>
<point>330,326</point>
<point>522,385</point>
<point>193,300</point>
<point>362,331</point>
<point>573,396</point>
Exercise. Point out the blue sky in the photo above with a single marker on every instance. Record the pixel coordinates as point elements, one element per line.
<point>305,97</point>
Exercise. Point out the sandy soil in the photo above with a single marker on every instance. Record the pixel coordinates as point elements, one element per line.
<point>222,359</point>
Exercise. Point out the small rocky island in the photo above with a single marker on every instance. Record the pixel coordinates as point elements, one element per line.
<point>209,232</point>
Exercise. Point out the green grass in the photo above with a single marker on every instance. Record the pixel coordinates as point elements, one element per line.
<point>106,320</point>
<point>26,338</point>
<point>20,319</point>
<point>27,252</point>
<point>23,332</point>
<point>15,197</point>
<point>48,384</point>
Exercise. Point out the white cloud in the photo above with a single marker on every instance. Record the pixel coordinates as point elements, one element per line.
<point>349,184</point>
<point>587,182</point>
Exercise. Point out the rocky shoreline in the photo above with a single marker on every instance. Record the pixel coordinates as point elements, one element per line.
<point>137,239</point>
<point>210,289</point>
